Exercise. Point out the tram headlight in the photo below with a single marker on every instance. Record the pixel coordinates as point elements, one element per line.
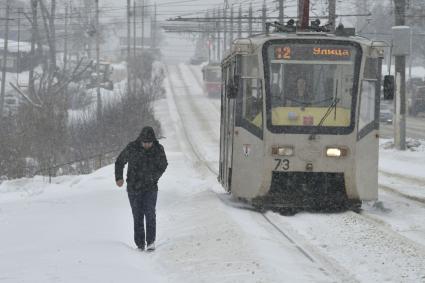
<point>283,150</point>
<point>336,152</point>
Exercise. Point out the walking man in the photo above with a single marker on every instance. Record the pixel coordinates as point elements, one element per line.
<point>146,163</point>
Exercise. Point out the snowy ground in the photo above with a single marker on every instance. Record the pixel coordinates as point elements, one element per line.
<point>79,228</point>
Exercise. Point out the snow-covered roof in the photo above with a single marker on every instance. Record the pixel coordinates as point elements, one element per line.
<point>14,46</point>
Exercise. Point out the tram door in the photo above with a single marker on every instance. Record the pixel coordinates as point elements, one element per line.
<point>227,131</point>
<point>367,152</point>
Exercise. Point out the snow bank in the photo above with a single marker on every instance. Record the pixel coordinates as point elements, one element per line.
<point>410,163</point>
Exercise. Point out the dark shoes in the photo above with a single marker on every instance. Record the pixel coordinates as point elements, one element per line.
<point>151,247</point>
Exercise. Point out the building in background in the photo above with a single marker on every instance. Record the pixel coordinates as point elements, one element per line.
<point>19,56</point>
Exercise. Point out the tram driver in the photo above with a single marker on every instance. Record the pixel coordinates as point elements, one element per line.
<point>300,96</point>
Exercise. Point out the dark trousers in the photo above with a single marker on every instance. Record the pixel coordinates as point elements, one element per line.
<point>143,206</point>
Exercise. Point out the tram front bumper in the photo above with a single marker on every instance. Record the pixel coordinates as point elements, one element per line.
<point>305,190</point>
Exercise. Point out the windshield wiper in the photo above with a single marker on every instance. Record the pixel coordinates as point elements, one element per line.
<point>328,111</point>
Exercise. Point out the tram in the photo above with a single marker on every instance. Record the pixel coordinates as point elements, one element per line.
<point>300,120</point>
<point>211,75</point>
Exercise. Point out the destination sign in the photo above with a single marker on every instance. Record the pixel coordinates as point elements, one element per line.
<point>312,52</point>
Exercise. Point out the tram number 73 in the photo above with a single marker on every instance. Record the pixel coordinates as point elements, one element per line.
<point>281,164</point>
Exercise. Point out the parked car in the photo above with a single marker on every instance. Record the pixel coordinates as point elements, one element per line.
<point>386,113</point>
<point>197,60</point>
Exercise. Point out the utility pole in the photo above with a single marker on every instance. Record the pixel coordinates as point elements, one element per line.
<point>224,29</point>
<point>153,28</point>
<point>305,14</point>
<point>18,61</point>
<point>128,48</point>
<point>88,18</point>
<point>240,22</point>
<point>332,14</point>
<point>4,65</point>
<point>134,30</point>
<point>65,46</point>
<point>362,7</point>
<point>65,43</point>
<point>281,11</point>
<point>218,36</point>
<point>143,26</point>
<point>208,36</point>
<point>264,16</point>
<point>80,20</point>
<point>300,12</point>
<point>411,61</point>
<point>400,72</point>
<point>99,98</point>
<point>250,19</point>
<point>231,26</point>
<point>134,47</point>
<point>33,40</point>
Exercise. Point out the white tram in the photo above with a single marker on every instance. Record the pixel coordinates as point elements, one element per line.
<point>300,120</point>
<point>211,75</point>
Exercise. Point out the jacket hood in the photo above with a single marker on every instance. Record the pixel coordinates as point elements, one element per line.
<point>147,135</point>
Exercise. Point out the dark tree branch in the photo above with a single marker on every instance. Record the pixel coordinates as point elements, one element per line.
<point>18,90</point>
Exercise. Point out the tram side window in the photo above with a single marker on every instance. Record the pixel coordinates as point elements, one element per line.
<point>249,66</point>
<point>368,94</point>
<point>371,71</point>
<point>253,102</point>
<point>367,103</point>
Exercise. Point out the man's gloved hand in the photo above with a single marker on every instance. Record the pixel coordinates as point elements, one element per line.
<point>120,183</point>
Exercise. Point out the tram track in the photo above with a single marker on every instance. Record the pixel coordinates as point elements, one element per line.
<point>187,136</point>
<point>325,264</point>
<point>413,195</point>
<point>192,102</point>
<point>409,179</point>
<point>394,191</point>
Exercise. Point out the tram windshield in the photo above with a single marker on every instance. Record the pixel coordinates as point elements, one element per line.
<point>306,81</point>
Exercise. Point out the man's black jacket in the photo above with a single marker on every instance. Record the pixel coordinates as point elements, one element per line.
<point>145,167</point>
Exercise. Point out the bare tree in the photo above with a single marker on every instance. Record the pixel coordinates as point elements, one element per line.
<point>43,119</point>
